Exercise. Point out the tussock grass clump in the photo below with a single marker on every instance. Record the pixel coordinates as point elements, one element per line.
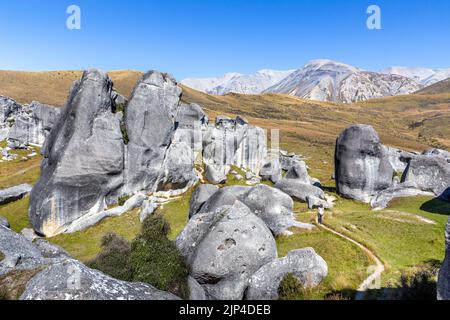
<point>151,258</point>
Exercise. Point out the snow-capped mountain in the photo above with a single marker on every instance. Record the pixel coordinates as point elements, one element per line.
<point>425,76</point>
<point>238,83</point>
<point>327,80</point>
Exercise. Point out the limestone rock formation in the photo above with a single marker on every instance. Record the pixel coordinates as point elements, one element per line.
<point>226,256</point>
<point>83,158</point>
<point>271,171</point>
<point>14,193</point>
<point>273,206</point>
<point>308,267</point>
<point>362,166</point>
<point>437,152</point>
<point>430,174</point>
<point>200,196</point>
<point>53,275</point>
<point>299,190</point>
<point>69,279</point>
<point>33,126</point>
<point>232,142</point>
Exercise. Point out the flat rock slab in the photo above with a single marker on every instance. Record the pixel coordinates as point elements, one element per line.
<point>14,193</point>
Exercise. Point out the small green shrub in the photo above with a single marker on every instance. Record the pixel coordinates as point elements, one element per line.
<point>290,288</point>
<point>156,260</point>
<point>151,258</point>
<point>114,258</point>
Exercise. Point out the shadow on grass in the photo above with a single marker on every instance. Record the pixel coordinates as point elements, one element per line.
<point>436,205</point>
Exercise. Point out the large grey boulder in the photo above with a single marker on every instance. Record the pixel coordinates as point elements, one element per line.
<point>429,174</point>
<point>19,253</point>
<point>69,279</point>
<point>33,127</point>
<point>362,166</point>
<point>200,196</point>
<point>305,264</point>
<point>14,193</point>
<point>299,171</point>
<point>273,206</point>
<point>56,276</point>
<point>83,158</point>
<point>224,197</point>
<point>226,257</point>
<point>299,190</point>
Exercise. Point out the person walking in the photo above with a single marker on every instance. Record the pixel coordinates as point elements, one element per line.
<point>320,214</point>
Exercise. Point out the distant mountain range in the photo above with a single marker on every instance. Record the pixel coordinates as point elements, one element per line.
<point>324,80</point>
<point>238,83</point>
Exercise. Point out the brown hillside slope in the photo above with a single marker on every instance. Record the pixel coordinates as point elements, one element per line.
<point>52,87</point>
<point>440,87</point>
<point>412,122</point>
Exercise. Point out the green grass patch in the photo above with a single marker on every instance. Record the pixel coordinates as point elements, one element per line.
<point>176,213</point>
<point>347,264</point>
<point>85,245</point>
<point>16,213</point>
<point>403,236</point>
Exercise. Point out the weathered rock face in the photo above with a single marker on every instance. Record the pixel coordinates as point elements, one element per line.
<point>437,152</point>
<point>8,109</point>
<point>232,142</point>
<point>307,266</point>
<point>430,174</point>
<point>33,127</point>
<point>200,196</point>
<point>56,276</point>
<point>273,206</point>
<point>83,158</point>
<point>288,160</point>
<point>228,251</point>
<point>14,193</point>
<point>71,280</point>
<point>399,159</point>
<point>271,171</point>
<point>362,167</point>
<point>443,285</point>
<point>150,127</point>
<point>299,190</point>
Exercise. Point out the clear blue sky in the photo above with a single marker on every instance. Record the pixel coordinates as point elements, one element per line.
<point>208,38</point>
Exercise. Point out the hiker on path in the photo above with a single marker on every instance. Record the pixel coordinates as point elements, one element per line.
<point>320,214</point>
